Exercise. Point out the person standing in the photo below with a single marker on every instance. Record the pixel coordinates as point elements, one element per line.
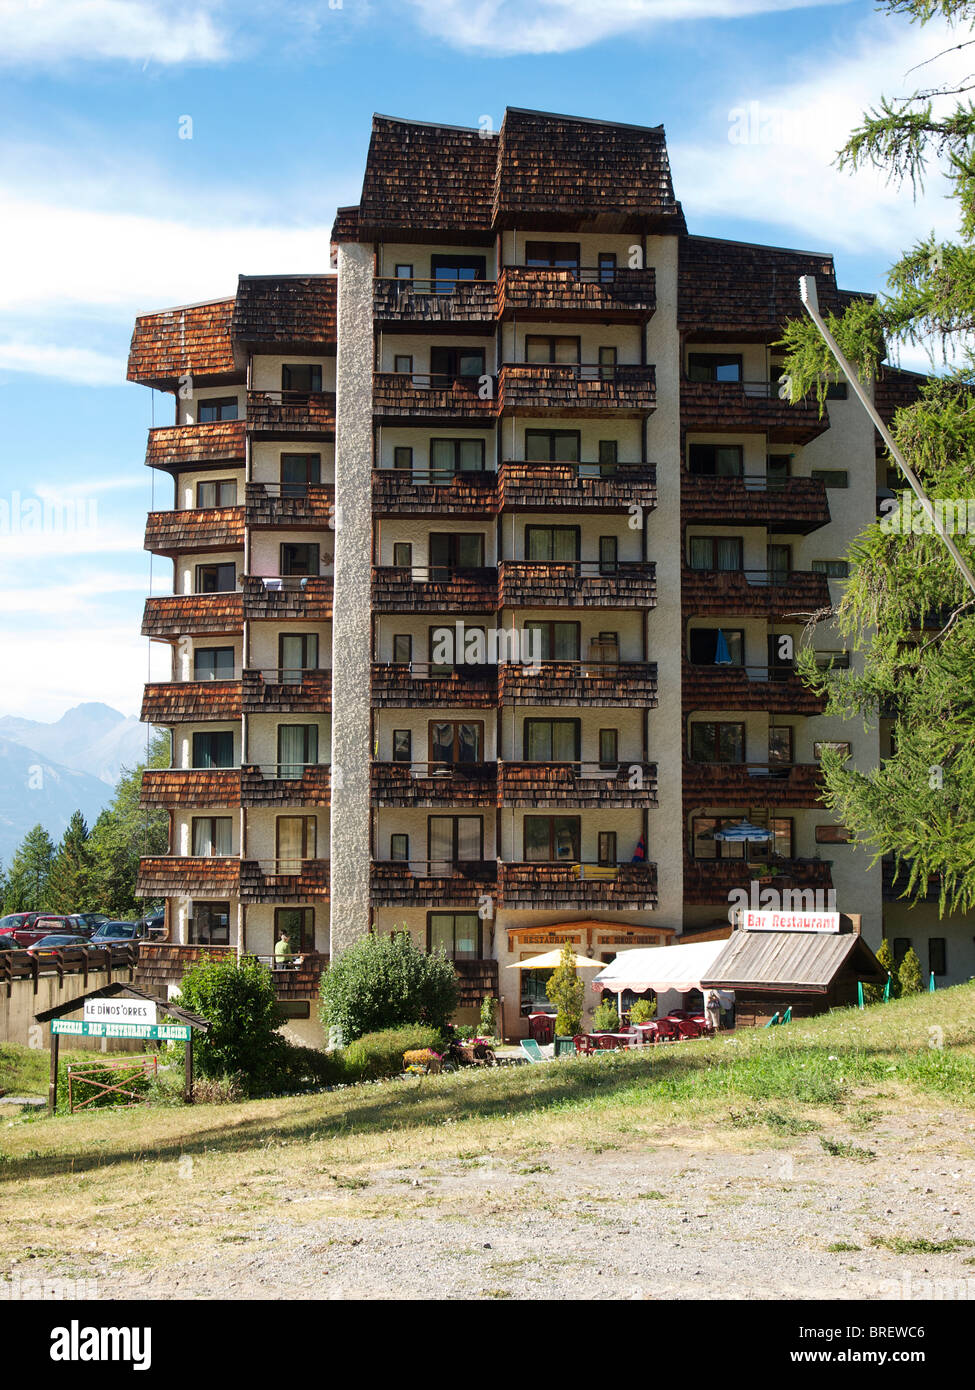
<point>712,1007</point>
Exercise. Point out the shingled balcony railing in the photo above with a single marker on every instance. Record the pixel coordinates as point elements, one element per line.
<point>190,786</point>
<point>776,689</point>
<point>709,881</point>
<point>190,702</point>
<point>530,485</point>
<point>435,883</point>
<point>439,589</point>
<point>576,388</point>
<point>782,505</point>
<point>181,446</point>
<point>285,784</point>
<point>538,292</point>
<point>749,407</point>
<point>552,887</point>
<point>280,690</point>
<point>420,685</point>
<point>179,875</point>
<point>771,784</point>
<point>770,594</point>
<point>191,529</point>
<point>181,615</point>
<point>410,398</point>
<point>427,303</point>
<point>590,786</point>
<point>581,584</point>
<point>628,684</point>
<point>291,414</point>
<point>290,504</point>
<point>434,492</point>
<point>434,784</point>
<point>284,880</point>
<point>306,598</point>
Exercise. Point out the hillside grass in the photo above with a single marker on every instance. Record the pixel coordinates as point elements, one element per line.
<point>24,1071</point>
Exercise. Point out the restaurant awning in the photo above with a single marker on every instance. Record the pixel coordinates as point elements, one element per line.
<point>551,960</point>
<point>660,968</point>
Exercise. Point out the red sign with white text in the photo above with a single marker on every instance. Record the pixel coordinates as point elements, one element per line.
<point>790,921</point>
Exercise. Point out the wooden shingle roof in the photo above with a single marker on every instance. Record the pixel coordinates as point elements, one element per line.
<point>435,177</point>
<point>192,340</point>
<point>791,959</point>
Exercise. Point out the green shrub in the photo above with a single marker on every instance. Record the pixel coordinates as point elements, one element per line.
<point>872,994</point>
<point>382,982</point>
<point>642,1011</point>
<point>605,1019</point>
<point>379,1054</point>
<point>307,1066</point>
<point>237,998</point>
<point>909,976</point>
<point>488,1019</point>
<point>92,1096</point>
<point>567,992</point>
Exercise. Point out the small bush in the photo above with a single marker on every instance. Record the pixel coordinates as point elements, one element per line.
<point>909,976</point>
<point>375,1055</point>
<point>605,1019</point>
<point>218,1090</point>
<point>300,1067</point>
<point>567,992</point>
<point>237,997</point>
<point>385,982</point>
<point>489,1013</point>
<point>642,1011</point>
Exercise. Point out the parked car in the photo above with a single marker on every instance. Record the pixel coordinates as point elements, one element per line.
<point>7,943</point>
<point>52,923</point>
<point>21,926</point>
<point>89,920</point>
<point>154,923</point>
<point>118,934</point>
<point>58,941</point>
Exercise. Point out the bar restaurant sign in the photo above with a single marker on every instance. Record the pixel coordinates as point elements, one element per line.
<point>790,921</point>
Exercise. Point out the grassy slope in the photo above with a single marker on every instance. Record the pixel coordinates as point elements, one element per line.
<point>24,1071</point>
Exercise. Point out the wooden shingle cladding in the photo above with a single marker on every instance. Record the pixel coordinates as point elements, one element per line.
<point>436,179</point>
<point>307,599</point>
<point>304,981</point>
<point>532,487</point>
<point>467,306</point>
<point>896,390</point>
<point>740,688</point>
<point>794,506</point>
<point>195,529</point>
<point>534,388</point>
<point>177,875</point>
<point>395,589</point>
<point>753,784</point>
<point>346,225</point>
<point>262,883</point>
<point>266,507</point>
<point>555,887</point>
<point>265,692</point>
<point>397,686</point>
<point>179,786</point>
<point>189,341</point>
<point>477,980</point>
<point>190,702</point>
<point>733,407</point>
<point>628,684</point>
<point>261,786</point>
<point>559,785</point>
<point>292,414</point>
<point>895,879</point>
<point>395,493</point>
<point>394,884</point>
<point>164,963</point>
<point>459,784</point>
<point>176,447</point>
<point>180,615</point>
<point>529,292</point>
<point>405,398</point>
<point>744,594</point>
<point>709,881</point>
<point>277,313</point>
<point>538,584</point>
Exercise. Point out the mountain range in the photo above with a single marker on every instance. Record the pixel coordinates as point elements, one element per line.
<point>49,770</point>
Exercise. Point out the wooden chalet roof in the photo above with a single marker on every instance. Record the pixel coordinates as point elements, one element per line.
<point>194,339</point>
<point>436,177</point>
<point>895,389</point>
<point>290,311</point>
<point>791,959</point>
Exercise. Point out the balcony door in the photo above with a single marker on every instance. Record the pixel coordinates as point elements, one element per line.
<point>456,933</point>
<point>297,748</point>
<point>454,840</point>
<point>552,839</point>
<point>456,741</point>
<point>451,551</point>
<point>717,743</point>
<point>552,740</point>
<point>295,840</point>
<point>553,349</point>
<point>297,653</point>
<point>299,472</point>
<point>449,365</point>
<point>715,552</point>
<point>554,641</point>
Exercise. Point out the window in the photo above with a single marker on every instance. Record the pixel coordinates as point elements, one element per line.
<point>403,271</point>
<point>224,408</point>
<point>213,664</point>
<point>403,457</point>
<point>718,743</point>
<point>403,362</point>
<point>715,552</point>
<point>549,348</point>
<point>717,646</point>
<point>833,569</point>
<point>778,563</point>
<point>777,469</point>
<point>402,746</point>
<point>839,660</point>
<point>453,741</point>
<point>296,925</point>
<point>402,649</point>
<point>222,492</point>
<point>299,557</point>
<point>297,653</point>
<point>292,1008</point>
<point>456,933</point>
<point>606,262</point>
<point>399,848</point>
<point>715,460</point>
<point>609,747</point>
<point>937,955</point>
<point>216,579</point>
<point>833,835</point>
<point>558,641</point>
<point>299,472</point>
<point>832,477</point>
<point>714,366</point>
<point>303,377</point>
<point>455,839</point>
<point>552,839</point>
<point>608,454</point>
<point>450,456</point>
<point>552,740</point>
<point>606,851</point>
<point>780,744</point>
<point>555,544</point>
<point>295,840</point>
<point>402,554</point>
<point>447,270</point>
<point>562,255</point>
<point>452,551</point>
<point>450,364</point>
<point>900,947</point>
<point>212,835</point>
<point>607,363</point>
<point>552,446</point>
<point>210,924</point>
<point>844,749</point>
<point>469,655</point>
<point>214,749</point>
<point>297,748</point>
<point>608,554</point>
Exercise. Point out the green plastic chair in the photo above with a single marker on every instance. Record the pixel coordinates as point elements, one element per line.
<point>773,1021</point>
<point>565,1047</point>
<point>787,1016</point>
<point>532,1050</point>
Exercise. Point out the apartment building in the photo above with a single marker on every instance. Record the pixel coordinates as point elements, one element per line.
<point>491,555</point>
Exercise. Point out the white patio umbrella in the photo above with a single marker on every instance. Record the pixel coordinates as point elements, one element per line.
<point>551,959</point>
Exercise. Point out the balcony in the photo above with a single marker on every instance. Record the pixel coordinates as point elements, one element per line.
<point>285,784</point>
<point>287,598</point>
<point>478,980</point>
<point>424,305</point>
<point>584,785</point>
<point>183,446</point>
<point>895,880</point>
<point>190,702</point>
<point>285,691</point>
<point>530,292</point>
<point>411,398</point>
<point>433,883</point>
<point>164,963</point>
<point>292,414</point>
<point>284,881</point>
<point>290,504</point>
<point>709,881</point>
<point>418,685</point>
<point>584,584</point>
<point>441,590</point>
<point>795,506</point>
<point>187,615</point>
<point>576,388</point>
<point>753,784</point>
<point>769,594</point>
<point>434,784</point>
<point>776,689</point>
<point>558,887</point>
<point>195,529</point>
<point>400,492</point>
<point>177,875</point>
<point>539,486</point>
<point>749,407</point>
<point>185,786</point>
<point>609,684</point>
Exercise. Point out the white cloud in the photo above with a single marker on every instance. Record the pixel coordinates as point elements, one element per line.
<point>505,27</point>
<point>45,32</point>
<point>64,665</point>
<point>68,363</point>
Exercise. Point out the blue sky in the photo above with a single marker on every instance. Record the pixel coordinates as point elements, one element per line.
<point>106,212</point>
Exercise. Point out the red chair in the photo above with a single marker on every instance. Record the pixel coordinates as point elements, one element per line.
<point>541,1029</point>
<point>583,1044</point>
<point>688,1028</point>
<point>667,1030</point>
<point>606,1042</point>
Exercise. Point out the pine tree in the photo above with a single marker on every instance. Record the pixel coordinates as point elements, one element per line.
<point>886,958</point>
<point>909,975</point>
<point>121,835</point>
<point>906,609</point>
<point>567,992</point>
<point>30,870</point>
<point>70,871</point>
